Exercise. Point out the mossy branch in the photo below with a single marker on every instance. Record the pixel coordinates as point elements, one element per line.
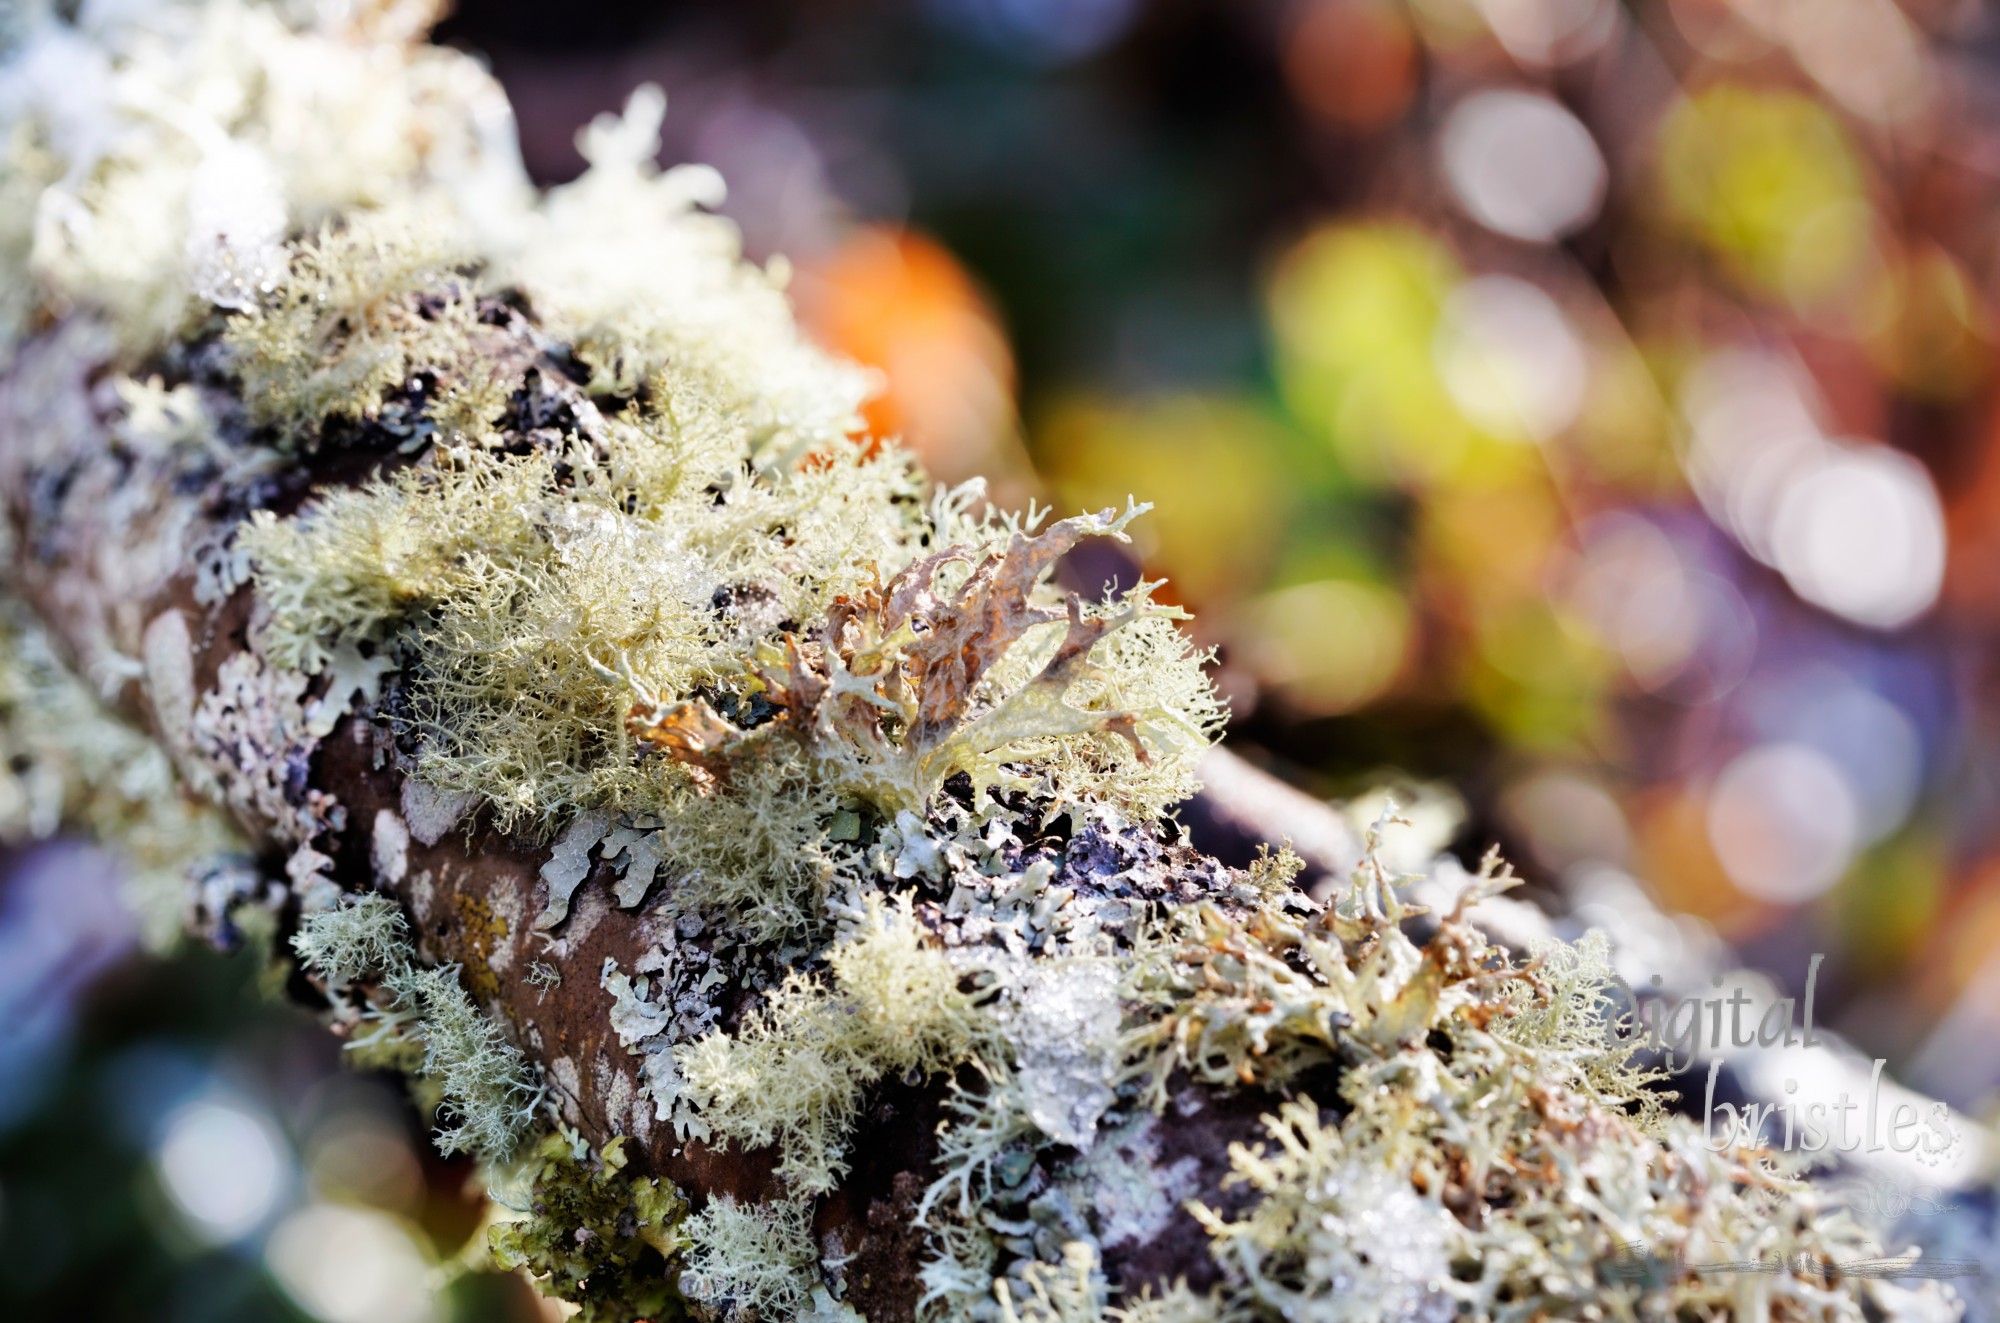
<point>645,758</point>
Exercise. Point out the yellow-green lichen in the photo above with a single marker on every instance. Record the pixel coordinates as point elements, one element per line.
<point>509,583</point>
<point>361,308</point>
<point>1072,1292</point>
<point>152,157</point>
<point>639,584</point>
<point>966,663</point>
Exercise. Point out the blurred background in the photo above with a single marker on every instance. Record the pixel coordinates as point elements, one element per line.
<point>1585,410</point>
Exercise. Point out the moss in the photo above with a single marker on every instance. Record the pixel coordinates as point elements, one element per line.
<point>599,1236</point>
<point>489,1097</point>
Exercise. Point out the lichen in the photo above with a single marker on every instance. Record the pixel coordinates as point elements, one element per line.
<point>1334,1236</point>
<point>1074,1292</point>
<point>750,1262</point>
<point>362,948</point>
<point>794,1073</point>
<point>67,763</point>
<point>597,535</point>
<point>152,151</point>
<point>961,665</point>
<point>360,309</point>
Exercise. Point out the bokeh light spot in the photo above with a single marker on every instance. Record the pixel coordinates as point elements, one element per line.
<point>1545,32</point>
<point>1509,359</point>
<point>1568,819</point>
<point>1783,822</point>
<point>1352,63</point>
<point>1772,184</point>
<point>1355,312</point>
<point>1862,534</point>
<point>1331,645</point>
<point>347,1265</point>
<point>1521,165</point>
<point>224,1166</point>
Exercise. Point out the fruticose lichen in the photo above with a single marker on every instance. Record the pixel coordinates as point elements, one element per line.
<point>795,1073</point>
<point>752,1261</point>
<point>487,1092</point>
<point>547,500</point>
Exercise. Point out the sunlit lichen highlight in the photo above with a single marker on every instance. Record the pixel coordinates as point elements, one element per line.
<point>795,1074</point>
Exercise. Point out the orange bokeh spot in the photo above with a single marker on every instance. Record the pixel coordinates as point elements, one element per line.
<point>1352,63</point>
<point>1680,865</point>
<point>899,302</point>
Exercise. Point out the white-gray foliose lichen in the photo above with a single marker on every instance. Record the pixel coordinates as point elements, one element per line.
<point>414,512</point>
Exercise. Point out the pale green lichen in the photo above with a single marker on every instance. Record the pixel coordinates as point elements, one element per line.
<point>1564,1004</point>
<point>487,1089</point>
<point>1334,1236</point>
<point>795,1073</point>
<point>624,266</point>
<point>965,664</point>
<point>155,154</point>
<point>1489,1151</point>
<point>508,582</point>
<point>680,618</point>
<point>1073,1292</point>
<point>359,310</point>
<point>751,1263</point>
<point>1177,1304</point>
